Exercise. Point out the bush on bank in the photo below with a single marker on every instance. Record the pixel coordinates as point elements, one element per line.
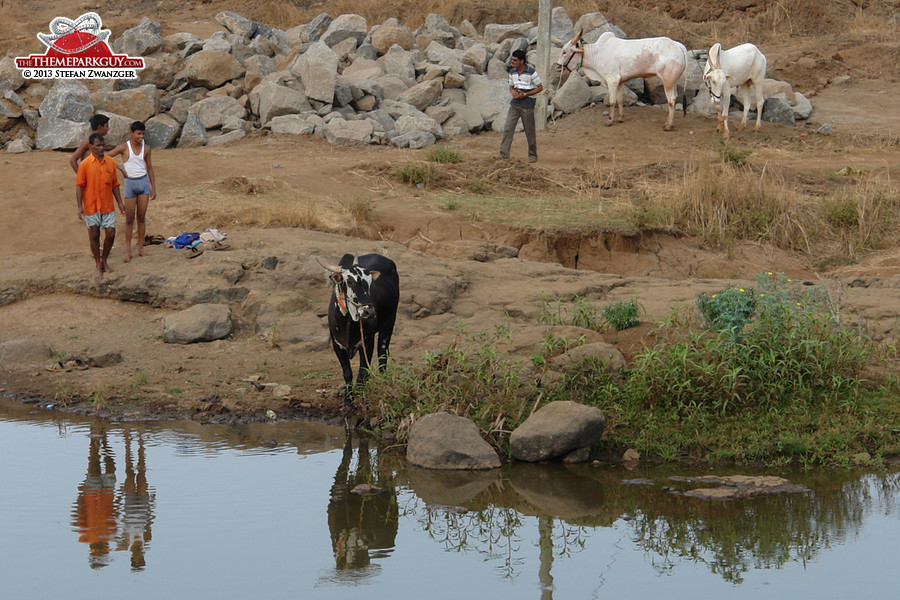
<point>767,374</point>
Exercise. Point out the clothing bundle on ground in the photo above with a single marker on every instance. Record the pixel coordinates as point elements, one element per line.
<point>212,238</point>
<point>185,240</point>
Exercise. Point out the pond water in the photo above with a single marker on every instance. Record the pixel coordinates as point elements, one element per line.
<point>94,509</point>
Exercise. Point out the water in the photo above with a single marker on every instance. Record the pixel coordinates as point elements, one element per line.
<point>153,510</point>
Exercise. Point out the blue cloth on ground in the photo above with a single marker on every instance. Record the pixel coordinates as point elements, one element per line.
<point>185,240</point>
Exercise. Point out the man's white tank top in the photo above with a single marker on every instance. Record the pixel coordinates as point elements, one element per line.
<point>135,166</point>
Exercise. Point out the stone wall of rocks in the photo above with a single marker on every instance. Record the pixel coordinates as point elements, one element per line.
<point>337,78</point>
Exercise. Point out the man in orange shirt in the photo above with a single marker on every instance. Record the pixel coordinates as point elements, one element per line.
<point>95,186</point>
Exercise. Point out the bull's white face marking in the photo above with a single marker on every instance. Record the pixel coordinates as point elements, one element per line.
<point>355,284</point>
<point>715,80</point>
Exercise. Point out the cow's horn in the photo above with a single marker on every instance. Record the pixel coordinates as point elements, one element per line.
<point>578,35</point>
<point>327,268</point>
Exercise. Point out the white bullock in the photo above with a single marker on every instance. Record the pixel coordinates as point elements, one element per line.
<point>742,66</point>
<point>615,61</point>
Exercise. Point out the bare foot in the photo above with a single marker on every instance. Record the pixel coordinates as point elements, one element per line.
<point>141,251</point>
<point>106,268</point>
<point>98,274</point>
<point>127,257</point>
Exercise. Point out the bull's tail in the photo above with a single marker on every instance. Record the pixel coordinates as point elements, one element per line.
<point>683,78</point>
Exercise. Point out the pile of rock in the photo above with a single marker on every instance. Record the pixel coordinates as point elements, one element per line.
<point>336,78</point>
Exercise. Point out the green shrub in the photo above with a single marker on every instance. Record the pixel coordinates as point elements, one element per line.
<point>442,154</point>
<point>622,315</point>
<point>728,310</point>
<point>416,173</point>
<point>734,156</point>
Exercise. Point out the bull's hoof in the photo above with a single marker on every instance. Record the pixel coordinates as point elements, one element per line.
<point>667,128</point>
<point>609,123</point>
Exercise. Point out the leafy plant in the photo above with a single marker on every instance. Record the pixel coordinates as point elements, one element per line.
<point>622,315</point>
<point>734,156</point>
<point>416,173</point>
<point>728,310</point>
<point>443,154</point>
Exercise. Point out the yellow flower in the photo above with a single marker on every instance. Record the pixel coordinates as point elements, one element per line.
<point>742,289</point>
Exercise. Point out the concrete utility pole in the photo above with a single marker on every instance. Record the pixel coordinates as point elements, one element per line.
<point>545,14</point>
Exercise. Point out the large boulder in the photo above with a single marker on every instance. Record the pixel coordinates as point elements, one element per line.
<point>269,100</point>
<point>556,430</point>
<point>390,33</point>
<point>193,133</point>
<point>401,64</point>
<point>157,72</point>
<point>237,24</point>
<point>343,27</point>
<point>143,39</point>
<point>199,323</point>
<point>444,441</point>
<point>496,33</point>
<point>210,68</point>
<point>440,54</point>
<point>138,104</point>
<point>68,99</point>
<point>10,76</point>
<point>215,112</point>
<point>573,94</point>
<point>60,134</point>
<point>422,95</point>
<point>409,124</point>
<point>257,67</point>
<point>317,69</point>
<point>339,131</point>
<point>162,131</point>
<point>314,30</point>
<point>778,110</point>
<point>490,97</point>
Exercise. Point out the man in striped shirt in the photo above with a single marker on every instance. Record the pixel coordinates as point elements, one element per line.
<point>524,84</point>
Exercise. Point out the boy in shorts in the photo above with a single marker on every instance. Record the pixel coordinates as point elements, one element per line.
<point>95,187</point>
<point>140,185</point>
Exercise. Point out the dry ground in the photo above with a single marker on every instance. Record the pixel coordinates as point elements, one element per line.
<point>351,191</point>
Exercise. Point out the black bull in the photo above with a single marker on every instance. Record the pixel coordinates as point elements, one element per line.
<point>363,303</point>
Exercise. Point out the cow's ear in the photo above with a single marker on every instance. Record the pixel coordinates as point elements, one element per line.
<point>374,275</point>
<point>346,261</point>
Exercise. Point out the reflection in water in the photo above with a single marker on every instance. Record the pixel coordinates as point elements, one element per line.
<point>100,515</point>
<point>136,503</point>
<point>94,514</point>
<point>362,526</point>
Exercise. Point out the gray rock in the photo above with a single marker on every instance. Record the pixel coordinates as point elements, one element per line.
<point>574,360</point>
<point>340,131</point>
<point>119,128</point>
<point>471,115</point>
<point>193,133</point>
<point>60,134</point>
<point>490,97</point>
<point>561,26</point>
<point>199,323</point>
<point>9,114</point>
<point>401,64</point>
<point>495,32</point>
<point>316,28</point>
<point>138,104</point>
<point>10,76</point>
<point>179,109</point>
<point>477,57</point>
<point>19,146</point>
<point>225,138</point>
<point>573,94</point>
<point>555,430</point>
<point>68,99</point>
<point>389,87</point>
<point>590,21</point>
<point>257,67</point>
<point>409,124</point>
<point>219,43</point>
<point>237,24</point>
<point>210,69</point>
<point>143,39</point>
<point>157,72</point>
<point>317,69</point>
<point>443,441</point>
<point>162,131</point>
<point>422,95</point>
<point>343,27</point>
<point>439,54</point>
<point>777,110</point>
<point>803,108</point>
<point>414,140</point>
<point>216,111</point>
<point>291,125</point>
<point>269,100</point>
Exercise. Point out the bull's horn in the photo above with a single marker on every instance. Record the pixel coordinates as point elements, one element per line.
<point>327,268</point>
<point>578,35</point>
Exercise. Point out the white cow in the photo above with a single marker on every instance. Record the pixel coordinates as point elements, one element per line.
<point>742,66</point>
<point>615,61</point>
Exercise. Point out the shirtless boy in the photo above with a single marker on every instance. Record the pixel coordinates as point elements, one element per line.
<point>95,187</point>
<point>140,185</point>
<point>99,124</point>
